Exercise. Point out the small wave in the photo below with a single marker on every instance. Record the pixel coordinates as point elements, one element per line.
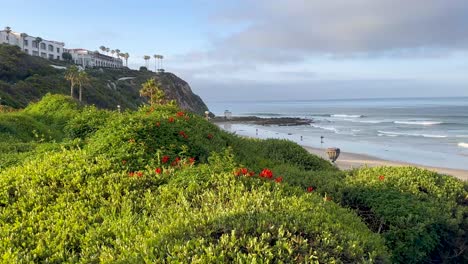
<point>263,114</point>
<point>326,128</point>
<point>411,134</point>
<point>461,136</point>
<point>420,123</point>
<point>347,116</point>
<point>463,145</point>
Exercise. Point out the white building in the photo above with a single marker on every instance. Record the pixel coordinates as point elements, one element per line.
<point>47,49</point>
<point>87,58</point>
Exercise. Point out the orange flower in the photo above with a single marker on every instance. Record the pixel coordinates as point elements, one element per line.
<point>171,119</point>
<point>192,160</point>
<point>139,174</point>
<point>381,177</point>
<point>180,114</point>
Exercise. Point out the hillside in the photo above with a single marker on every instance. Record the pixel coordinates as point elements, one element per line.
<point>25,79</point>
<point>160,185</point>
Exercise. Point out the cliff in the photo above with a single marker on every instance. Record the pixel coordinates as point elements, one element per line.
<point>25,79</point>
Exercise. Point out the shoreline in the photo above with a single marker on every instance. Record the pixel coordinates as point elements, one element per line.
<point>350,160</point>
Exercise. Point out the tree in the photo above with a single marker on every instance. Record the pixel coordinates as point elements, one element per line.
<point>8,31</point>
<point>151,90</point>
<point>67,56</point>
<point>38,41</point>
<point>112,52</point>
<point>71,75</point>
<point>161,57</point>
<point>155,56</point>
<point>117,52</point>
<point>126,56</point>
<point>102,48</point>
<point>23,37</point>
<point>82,80</point>
<point>146,58</point>
<point>107,50</point>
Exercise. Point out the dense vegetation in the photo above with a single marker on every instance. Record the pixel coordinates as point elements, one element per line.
<point>79,184</point>
<point>25,79</point>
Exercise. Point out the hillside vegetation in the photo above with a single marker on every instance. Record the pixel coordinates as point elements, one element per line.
<point>25,79</point>
<point>79,184</point>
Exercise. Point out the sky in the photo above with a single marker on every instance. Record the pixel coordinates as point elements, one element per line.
<point>272,49</point>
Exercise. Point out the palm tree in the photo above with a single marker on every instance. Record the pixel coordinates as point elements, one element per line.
<point>71,75</point>
<point>117,52</point>
<point>38,41</point>
<point>161,57</point>
<point>8,31</point>
<point>102,48</point>
<point>23,37</point>
<point>156,57</point>
<point>82,80</point>
<point>112,52</point>
<point>107,50</point>
<point>126,56</point>
<point>146,58</point>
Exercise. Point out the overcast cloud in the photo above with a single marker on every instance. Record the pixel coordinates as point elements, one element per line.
<point>287,33</point>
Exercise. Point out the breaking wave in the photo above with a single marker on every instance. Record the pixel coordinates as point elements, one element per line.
<point>420,123</point>
<point>463,145</point>
<point>393,134</point>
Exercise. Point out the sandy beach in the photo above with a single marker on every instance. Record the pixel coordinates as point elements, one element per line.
<point>348,161</point>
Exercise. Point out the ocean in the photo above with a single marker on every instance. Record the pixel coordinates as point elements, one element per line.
<point>426,131</point>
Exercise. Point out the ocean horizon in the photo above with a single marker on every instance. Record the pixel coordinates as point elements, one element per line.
<point>427,131</point>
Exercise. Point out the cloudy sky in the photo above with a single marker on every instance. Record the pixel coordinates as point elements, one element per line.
<point>276,49</point>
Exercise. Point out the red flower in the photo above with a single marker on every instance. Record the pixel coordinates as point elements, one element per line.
<point>139,174</point>
<point>182,133</point>
<point>251,173</point>
<point>180,113</point>
<point>244,171</point>
<point>171,119</point>
<point>279,179</point>
<point>237,173</point>
<point>310,189</point>
<point>266,173</point>
<point>165,159</point>
<point>124,162</point>
<point>210,136</point>
<point>158,170</point>
<point>131,174</point>
<point>381,177</point>
<point>176,161</point>
<point>192,160</point>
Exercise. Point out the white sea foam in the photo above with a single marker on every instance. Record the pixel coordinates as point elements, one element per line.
<point>463,145</point>
<point>347,116</point>
<point>329,128</point>
<point>390,133</point>
<point>420,123</point>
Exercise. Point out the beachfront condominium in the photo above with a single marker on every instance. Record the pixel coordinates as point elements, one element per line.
<point>87,58</point>
<point>47,49</point>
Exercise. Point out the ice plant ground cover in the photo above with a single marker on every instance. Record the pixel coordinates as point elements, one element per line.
<point>78,184</point>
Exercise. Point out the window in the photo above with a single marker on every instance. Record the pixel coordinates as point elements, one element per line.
<point>35,53</point>
<point>58,50</point>
<point>51,56</point>
<point>43,46</point>
<point>51,48</point>
<point>34,44</point>
<point>43,55</point>
<point>58,57</point>
<point>26,50</point>
<point>25,42</point>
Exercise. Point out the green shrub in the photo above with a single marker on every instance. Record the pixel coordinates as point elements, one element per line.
<point>421,214</point>
<point>73,207</point>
